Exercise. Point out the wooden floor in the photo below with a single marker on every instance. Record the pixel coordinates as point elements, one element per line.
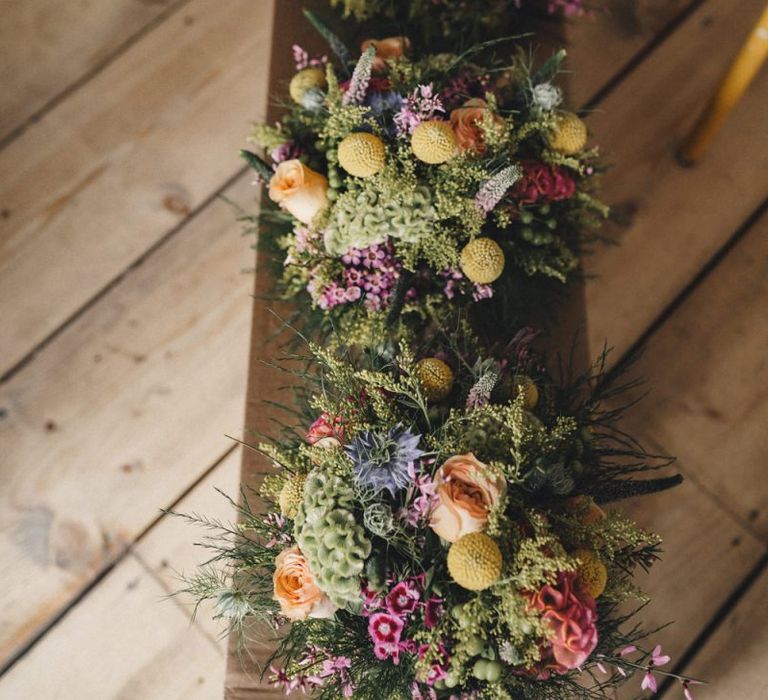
<point>125,313</point>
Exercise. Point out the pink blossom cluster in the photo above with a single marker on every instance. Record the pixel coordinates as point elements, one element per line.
<point>285,151</point>
<point>458,87</point>
<point>370,274</point>
<point>303,59</point>
<point>388,616</point>
<point>333,667</point>
<point>649,663</point>
<point>304,241</point>
<point>543,183</point>
<point>453,285</point>
<point>421,496</point>
<point>420,106</point>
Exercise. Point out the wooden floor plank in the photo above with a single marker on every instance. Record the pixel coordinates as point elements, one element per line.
<point>125,641</point>
<point>709,375</point>
<point>707,553</point>
<point>46,46</point>
<point>117,165</point>
<point>169,551</point>
<point>671,220</point>
<point>733,659</point>
<point>116,418</point>
<point>603,44</point>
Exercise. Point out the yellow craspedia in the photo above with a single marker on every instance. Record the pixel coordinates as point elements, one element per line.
<point>433,142</point>
<point>362,154</point>
<point>527,387</point>
<point>569,135</point>
<point>436,378</point>
<point>482,261</point>
<point>592,572</point>
<point>291,495</point>
<point>474,561</point>
<point>305,80</point>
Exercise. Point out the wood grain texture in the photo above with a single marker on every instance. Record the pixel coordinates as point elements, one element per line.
<point>603,44</point>
<point>734,658</point>
<point>112,422</point>
<point>170,550</point>
<point>670,220</point>
<point>47,46</point>
<point>124,642</point>
<point>707,364</point>
<point>109,171</point>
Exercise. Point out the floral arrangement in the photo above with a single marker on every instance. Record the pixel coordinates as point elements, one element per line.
<point>440,523</point>
<point>437,531</point>
<point>406,184</point>
<point>454,22</point>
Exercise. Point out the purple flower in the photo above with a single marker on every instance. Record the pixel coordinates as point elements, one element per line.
<point>382,460</point>
<point>420,106</point>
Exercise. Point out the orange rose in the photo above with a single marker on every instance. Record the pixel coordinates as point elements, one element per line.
<point>466,121</point>
<point>466,491</point>
<point>296,590</point>
<point>391,47</point>
<point>299,190</point>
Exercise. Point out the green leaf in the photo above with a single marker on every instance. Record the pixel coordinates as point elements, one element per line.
<point>336,44</point>
<point>264,171</point>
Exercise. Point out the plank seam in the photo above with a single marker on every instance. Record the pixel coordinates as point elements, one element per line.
<point>101,574</point>
<point>115,281</point>
<point>671,308</point>
<point>716,621</point>
<point>170,598</point>
<point>90,74</point>
<point>626,71</point>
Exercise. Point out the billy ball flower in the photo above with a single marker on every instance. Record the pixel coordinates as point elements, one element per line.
<point>435,377</point>
<point>305,80</point>
<point>362,154</point>
<point>593,576</point>
<point>569,135</point>
<point>482,260</point>
<point>474,561</point>
<point>433,142</point>
<point>382,460</point>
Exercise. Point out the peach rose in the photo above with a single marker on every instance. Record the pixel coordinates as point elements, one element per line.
<point>466,491</point>
<point>391,47</point>
<point>296,590</point>
<point>466,121</point>
<point>299,190</point>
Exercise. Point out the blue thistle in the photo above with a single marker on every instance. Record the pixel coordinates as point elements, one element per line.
<point>382,460</point>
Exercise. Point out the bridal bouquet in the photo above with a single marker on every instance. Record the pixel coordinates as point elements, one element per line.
<point>452,22</point>
<point>406,183</point>
<point>437,531</point>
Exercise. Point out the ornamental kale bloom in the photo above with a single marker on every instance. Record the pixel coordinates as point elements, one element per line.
<point>382,460</point>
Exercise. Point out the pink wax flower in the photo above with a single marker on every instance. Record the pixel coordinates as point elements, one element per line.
<point>326,431</point>
<point>402,599</point>
<point>570,615</point>
<point>385,630</point>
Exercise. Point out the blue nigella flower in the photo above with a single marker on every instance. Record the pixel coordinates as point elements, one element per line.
<point>382,460</point>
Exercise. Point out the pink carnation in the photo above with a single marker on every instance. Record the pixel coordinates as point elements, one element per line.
<point>543,182</point>
<point>326,431</point>
<point>571,616</point>
<point>385,631</point>
<point>402,599</point>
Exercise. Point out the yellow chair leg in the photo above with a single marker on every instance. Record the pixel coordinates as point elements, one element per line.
<point>741,73</point>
